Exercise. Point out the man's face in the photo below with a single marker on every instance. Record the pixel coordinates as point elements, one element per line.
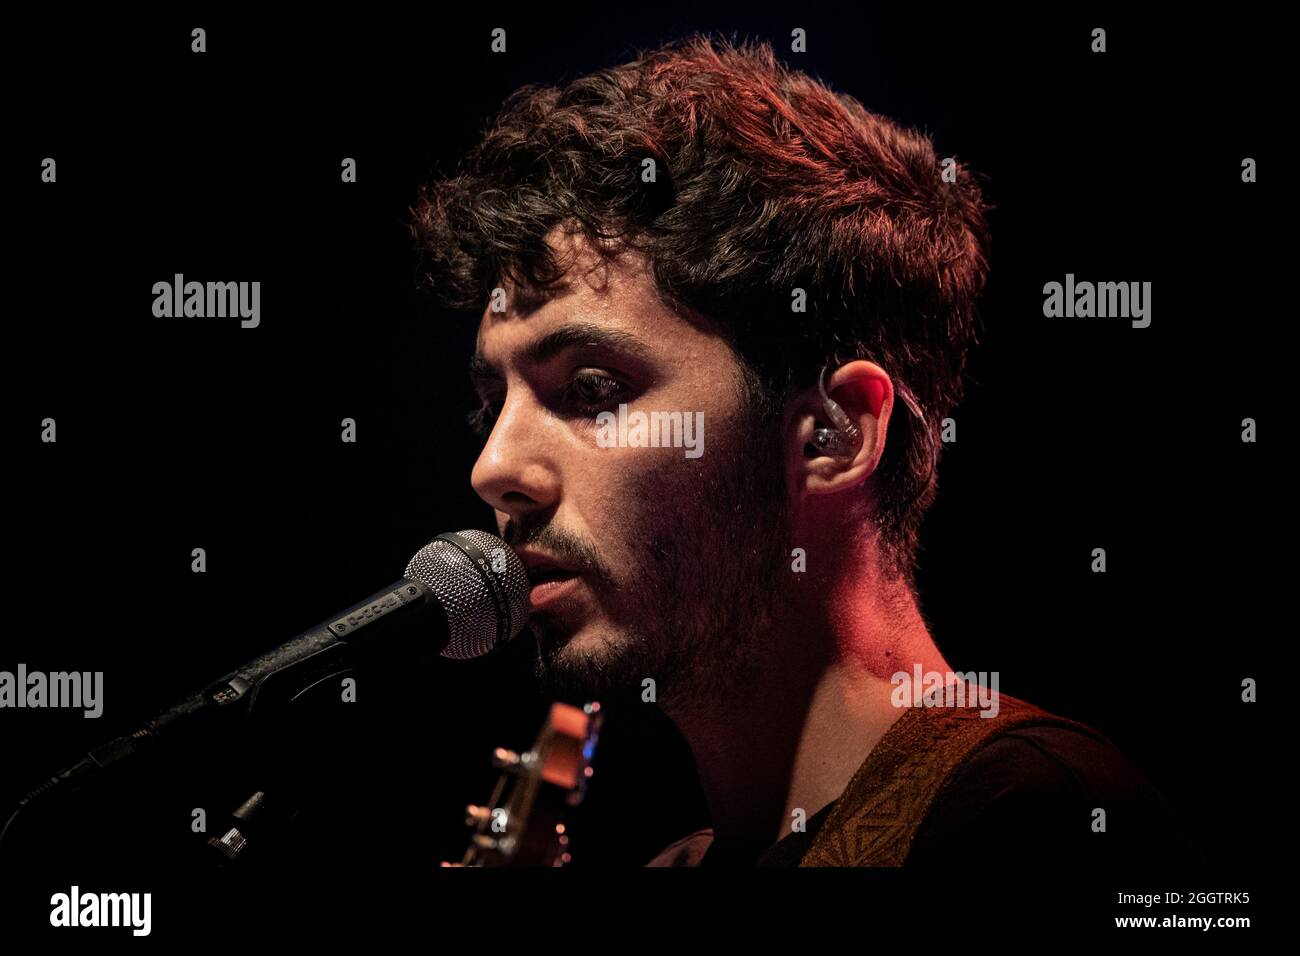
<point>672,560</point>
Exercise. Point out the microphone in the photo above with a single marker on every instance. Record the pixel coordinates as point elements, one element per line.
<point>467,591</point>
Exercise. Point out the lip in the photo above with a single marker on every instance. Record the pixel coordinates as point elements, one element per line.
<point>539,562</point>
<point>561,581</point>
<point>548,592</point>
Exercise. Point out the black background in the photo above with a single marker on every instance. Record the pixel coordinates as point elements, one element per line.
<point>176,434</point>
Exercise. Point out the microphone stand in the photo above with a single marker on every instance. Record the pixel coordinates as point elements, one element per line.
<point>254,819</point>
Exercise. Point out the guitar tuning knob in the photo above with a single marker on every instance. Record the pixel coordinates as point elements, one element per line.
<point>475,815</point>
<point>504,759</point>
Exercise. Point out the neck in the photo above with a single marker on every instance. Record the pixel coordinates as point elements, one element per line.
<point>819,705</point>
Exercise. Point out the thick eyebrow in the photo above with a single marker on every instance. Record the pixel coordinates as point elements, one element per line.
<point>587,334</point>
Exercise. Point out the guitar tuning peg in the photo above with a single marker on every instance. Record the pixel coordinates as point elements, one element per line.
<point>474,815</point>
<point>505,759</point>
<point>445,863</point>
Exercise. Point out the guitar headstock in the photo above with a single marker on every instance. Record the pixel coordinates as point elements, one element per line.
<point>524,823</point>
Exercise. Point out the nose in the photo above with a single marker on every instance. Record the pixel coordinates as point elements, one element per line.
<point>516,473</point>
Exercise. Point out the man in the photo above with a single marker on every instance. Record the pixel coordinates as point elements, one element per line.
<point>782,286</point>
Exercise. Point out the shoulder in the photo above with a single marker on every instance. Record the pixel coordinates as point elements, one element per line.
<point>1051,796</point>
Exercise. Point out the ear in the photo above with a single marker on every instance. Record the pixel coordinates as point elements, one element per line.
<point>866,394</point>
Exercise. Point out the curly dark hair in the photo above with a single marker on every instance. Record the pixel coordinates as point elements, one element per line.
<point>765,182</point>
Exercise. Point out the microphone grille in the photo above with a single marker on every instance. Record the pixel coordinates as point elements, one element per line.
<point>482,586</point>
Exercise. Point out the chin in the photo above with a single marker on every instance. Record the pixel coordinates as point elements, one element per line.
<point>588,642</point>
<point>587,662</point>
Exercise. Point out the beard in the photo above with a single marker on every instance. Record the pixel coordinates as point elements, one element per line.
<point>694,613</point>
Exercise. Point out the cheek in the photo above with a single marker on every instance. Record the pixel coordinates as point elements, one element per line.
<point>626,495</point>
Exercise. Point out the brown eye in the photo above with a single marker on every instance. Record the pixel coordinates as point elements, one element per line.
<point>589,390</point>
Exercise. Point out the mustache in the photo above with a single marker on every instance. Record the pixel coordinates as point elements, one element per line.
<point>565,545</point>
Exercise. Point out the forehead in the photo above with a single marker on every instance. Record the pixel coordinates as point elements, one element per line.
<point>618,295</point>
